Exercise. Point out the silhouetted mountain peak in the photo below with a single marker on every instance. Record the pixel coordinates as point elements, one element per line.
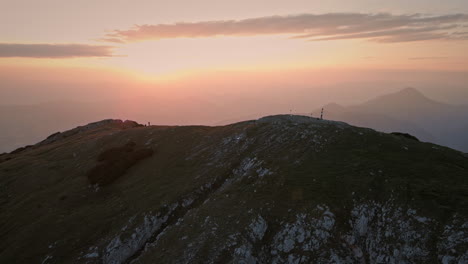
<point>410,91</point>
<point>333,106</point>
<point>408,94</point>
<point>407,98</point>
<point>411,95</point>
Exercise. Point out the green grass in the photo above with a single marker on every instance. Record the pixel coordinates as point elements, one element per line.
<point>47,197</point>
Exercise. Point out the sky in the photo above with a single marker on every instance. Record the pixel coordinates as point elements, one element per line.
<point>95,50</point>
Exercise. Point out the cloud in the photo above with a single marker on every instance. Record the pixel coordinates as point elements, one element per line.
<point>427,58</point>
<point>53,50</point>
<point>380,27</point>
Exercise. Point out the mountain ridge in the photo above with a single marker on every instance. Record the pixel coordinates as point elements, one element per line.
<point>25,125</point>
<point>409,110</point>
<point>277,189</point>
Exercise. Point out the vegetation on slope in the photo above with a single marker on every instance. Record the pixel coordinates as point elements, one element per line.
<point>114,162</point>
<point>241,192</point>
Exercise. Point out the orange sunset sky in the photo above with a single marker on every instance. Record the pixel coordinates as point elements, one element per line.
<point>86,50</point>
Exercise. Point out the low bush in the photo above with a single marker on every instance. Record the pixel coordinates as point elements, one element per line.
<point>114,162</point>
<point>405,135</point>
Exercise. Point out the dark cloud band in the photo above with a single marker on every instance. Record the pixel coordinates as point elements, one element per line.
<point>53,50</point>
<point>382,27</point>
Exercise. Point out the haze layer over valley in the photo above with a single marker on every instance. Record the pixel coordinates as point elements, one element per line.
<point>370,104</point>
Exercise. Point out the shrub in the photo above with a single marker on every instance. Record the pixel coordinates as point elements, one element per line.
<point>405,135</point>
<point>114,162</point>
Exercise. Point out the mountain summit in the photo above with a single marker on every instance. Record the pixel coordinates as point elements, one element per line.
<point>280,189</point>
<point>410,92</point>
<point>409,110</point>
<point>408,99</point>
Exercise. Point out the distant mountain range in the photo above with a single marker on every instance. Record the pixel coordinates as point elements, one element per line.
<point>406,111</point>
<point>409,111</point>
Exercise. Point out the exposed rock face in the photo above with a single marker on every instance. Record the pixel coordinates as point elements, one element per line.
<point>282,189</point>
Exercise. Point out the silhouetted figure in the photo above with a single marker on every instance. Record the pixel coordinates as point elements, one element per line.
<point>149,123</point>
<point>321,115</point>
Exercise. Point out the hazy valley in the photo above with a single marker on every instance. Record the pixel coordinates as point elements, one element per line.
<point>406,111</point>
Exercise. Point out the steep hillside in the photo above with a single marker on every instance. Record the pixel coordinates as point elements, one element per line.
<point>281,189</point>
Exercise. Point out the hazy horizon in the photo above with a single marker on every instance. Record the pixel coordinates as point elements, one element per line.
<point>407,110</point>
<point>212,62</point>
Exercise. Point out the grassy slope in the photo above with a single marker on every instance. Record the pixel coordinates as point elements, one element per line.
<point>50,209</point>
